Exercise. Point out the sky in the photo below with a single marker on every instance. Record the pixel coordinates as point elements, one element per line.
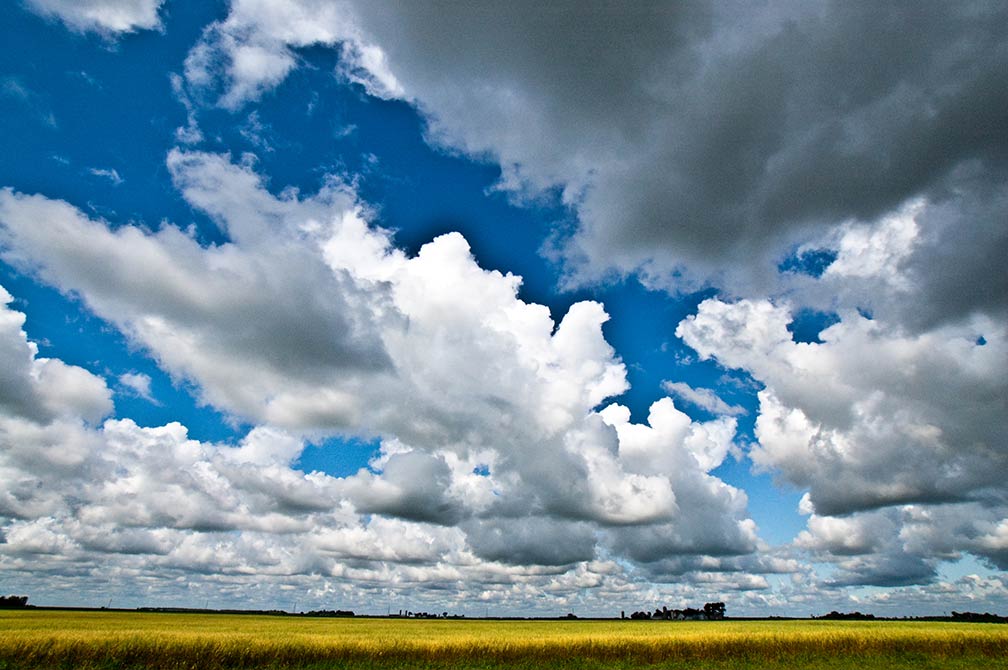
<point>504,308</point>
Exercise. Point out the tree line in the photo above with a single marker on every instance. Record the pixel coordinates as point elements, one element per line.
<point>710,612</point>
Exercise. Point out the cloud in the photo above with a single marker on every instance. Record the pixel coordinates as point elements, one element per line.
<point>307,323</point>
<point>844,418</point>
<point>138,384</point>
<point>46,407</point>
<point>702,398</point>
<point>697,142</point>
<point>104,16</point>
<point>901,546</point>
<point>44,388</point>
<point>252,50</point>
<point>92,503</point>
<point>14,89</point>
<point>840,416</point>
<point>915,266</point>
<point>112,175</point>
<point>196,308</point>
<point>531,540</point>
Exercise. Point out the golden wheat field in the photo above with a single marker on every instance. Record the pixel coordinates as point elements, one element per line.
<point>52,639</point>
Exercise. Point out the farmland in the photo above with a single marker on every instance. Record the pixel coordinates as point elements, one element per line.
<point>60,639</point>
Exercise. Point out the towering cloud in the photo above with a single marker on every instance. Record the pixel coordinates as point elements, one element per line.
<point>310,324</point>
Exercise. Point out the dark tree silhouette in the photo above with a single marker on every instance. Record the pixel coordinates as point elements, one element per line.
<point>710,611</point>
<point>714,610</point>
<point>13,602</point>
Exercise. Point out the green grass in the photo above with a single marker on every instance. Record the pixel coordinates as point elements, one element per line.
<point>117,640</point>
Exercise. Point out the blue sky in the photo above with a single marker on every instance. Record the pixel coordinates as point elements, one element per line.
<point>264,332</point>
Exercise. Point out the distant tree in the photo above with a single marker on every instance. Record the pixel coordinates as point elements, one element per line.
<point>329,613</point>
<point>710,611</point>
<point>714,610</point>
<point>847,616</point>
<point>975,617</point>
<point>13,602</point>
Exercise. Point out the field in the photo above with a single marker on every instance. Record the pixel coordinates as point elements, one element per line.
<point>92,640</point>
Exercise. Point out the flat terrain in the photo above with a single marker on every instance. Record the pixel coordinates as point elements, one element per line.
<point>59,639</point>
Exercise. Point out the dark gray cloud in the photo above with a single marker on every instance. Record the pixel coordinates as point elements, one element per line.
<point>690,535</point>
<point>695,142</point>
<point>885,571</point>
<point>699,135</point>
<point>419,486</point>
<point>958,268</point>
<point>531,541</point>
<point>905,545</point>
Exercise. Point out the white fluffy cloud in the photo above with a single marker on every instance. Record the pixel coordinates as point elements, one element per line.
<point>105,16</point>
<point>844,418</point>
<point>138,384</point>
<point>177,298</point>
<point>44,388</point>
<point>142,506</point>
<point>308,323</point>
<point>251,51</point>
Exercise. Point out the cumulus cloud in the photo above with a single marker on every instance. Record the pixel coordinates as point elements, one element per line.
<point>307,322</point>
<point>149,504</point>
<point>915,266</point>
<point>904,545</point>
<point>697,143</point>
<point>44,388</point>
<point>839,416</point>
<point>82,493</point>
<point>178,297</point>
<point>843,418</point>
<point>104,16</point>
<point>46,407</point>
